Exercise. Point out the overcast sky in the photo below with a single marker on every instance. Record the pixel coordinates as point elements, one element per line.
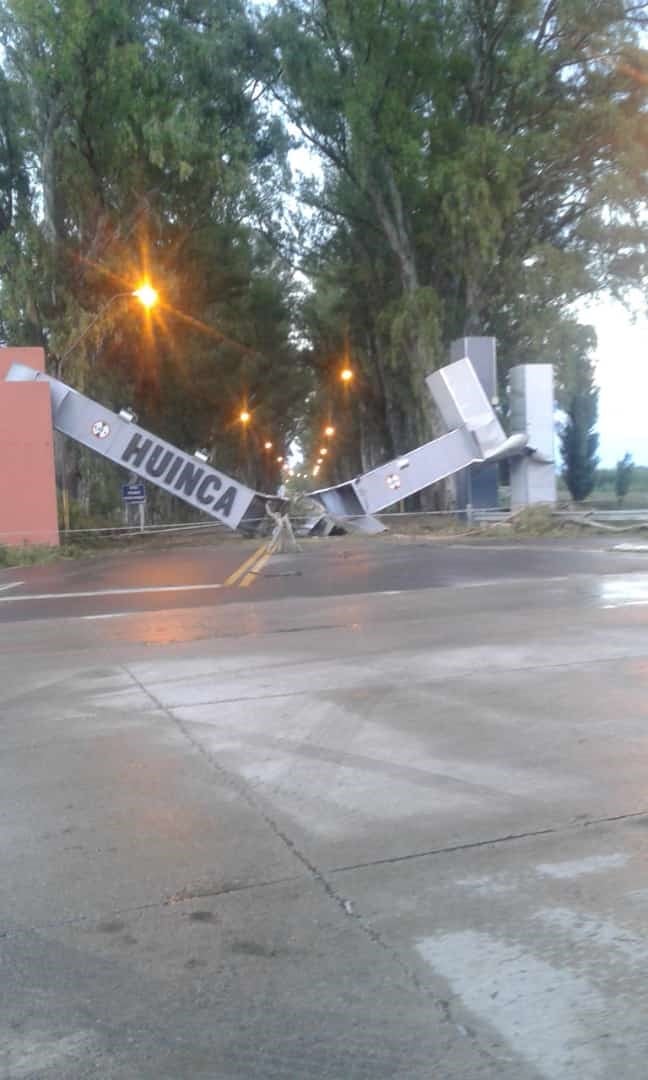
<point>622,376</point>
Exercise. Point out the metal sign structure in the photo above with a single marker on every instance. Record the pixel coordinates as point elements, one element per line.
<point>137,450</point>
<point>474,436</point>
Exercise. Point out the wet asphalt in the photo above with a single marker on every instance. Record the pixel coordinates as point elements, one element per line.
<point>382,811</point>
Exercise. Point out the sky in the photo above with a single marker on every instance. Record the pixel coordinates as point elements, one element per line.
<point>622,378</point>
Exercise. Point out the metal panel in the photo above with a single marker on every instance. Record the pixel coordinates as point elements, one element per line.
<point>367,524</point>
<point>341,501</point>
<point>461,400</point>
<point>412,472</point>
<point>482,353</point>
<point>477,487</point>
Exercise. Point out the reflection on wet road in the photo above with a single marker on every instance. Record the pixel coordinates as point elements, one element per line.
<point>208,577</point>
<point>381,813</point>
<point>624,591</point>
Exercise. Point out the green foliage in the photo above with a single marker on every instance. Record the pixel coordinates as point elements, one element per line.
<point>484,167</point>
<point>606,479</point>
<point>31,554</point>
<point>578,439</point>
<point>623,476</point>
<point>491,154</point>
<point>133,143</point>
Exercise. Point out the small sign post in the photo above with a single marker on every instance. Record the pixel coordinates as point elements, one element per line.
<point>134,494</point>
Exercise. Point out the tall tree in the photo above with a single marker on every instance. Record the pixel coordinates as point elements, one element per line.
<point>578,438</point>
<point>623,475</point>
<point>485,165</point>
<point>133,143</point>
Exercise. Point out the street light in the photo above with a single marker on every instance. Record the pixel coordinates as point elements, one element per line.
<point>148,297</point>
<point>346,374</point>
<point>145,293</point>
<point>323,451</point>
<point>244,416</point>
<point>267,445</point>
<point>329,431</point>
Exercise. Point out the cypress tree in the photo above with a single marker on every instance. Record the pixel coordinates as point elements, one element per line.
<point>578,438</point>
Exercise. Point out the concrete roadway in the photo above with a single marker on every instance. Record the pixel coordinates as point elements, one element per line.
<point>380,812</point>
<point>205,575</point>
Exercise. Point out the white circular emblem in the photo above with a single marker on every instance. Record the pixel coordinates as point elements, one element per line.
<point>100,429</point>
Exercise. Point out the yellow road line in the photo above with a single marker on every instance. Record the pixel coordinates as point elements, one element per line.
<point>249,578</point>
<point>238,573</point>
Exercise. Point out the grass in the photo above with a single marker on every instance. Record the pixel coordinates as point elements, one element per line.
<point>101,544</point>
<point>523,524</point>
<point>532,521</point>
<point>33,554</point>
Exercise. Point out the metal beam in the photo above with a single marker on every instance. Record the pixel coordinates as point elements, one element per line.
<point>475,436</point>
<point>156,461</point>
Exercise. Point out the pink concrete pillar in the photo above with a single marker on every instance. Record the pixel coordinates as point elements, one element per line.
<point>27,480</point>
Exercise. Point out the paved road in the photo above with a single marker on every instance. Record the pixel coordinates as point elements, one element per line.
<point>392,828</point>
<point>208,575</point>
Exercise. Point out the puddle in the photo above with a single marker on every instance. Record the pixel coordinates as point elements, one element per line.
<point>624,592</point>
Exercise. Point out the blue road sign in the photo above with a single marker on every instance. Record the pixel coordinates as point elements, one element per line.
<point>133,493</point>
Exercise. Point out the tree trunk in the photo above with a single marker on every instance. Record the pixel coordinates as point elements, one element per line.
<point>48,175</point>
<point>408,427</point>
<point>392,222</point>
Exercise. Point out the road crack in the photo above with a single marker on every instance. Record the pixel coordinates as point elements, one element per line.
<point>344,905</point>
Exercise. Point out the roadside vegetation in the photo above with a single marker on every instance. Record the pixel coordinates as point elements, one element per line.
<point>31,554</point>
<point>467,167</point>
<point>606,494</point>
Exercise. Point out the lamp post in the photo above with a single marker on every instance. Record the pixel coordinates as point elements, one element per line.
<point>145,293</point>
<point>148,298</point>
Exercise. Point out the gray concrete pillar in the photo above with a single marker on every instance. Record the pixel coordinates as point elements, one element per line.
<point>533,477</point>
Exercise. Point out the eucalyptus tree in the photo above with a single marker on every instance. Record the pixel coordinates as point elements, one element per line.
<point>484,167</point>
<point>133,143</point>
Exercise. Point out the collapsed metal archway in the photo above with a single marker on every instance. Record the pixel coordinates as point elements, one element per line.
<point>474,436</point>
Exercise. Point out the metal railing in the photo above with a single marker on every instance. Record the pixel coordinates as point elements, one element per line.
<point>612,520</point>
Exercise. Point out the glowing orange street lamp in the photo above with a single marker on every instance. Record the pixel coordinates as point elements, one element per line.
<point>244,416</point>
<point>329,431</point>
<point>148,297</point>
<point>346,375</point>
<point>279,460</point>
<point>146,294</point>
<point>267,445</point>
<point>323,451</point>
